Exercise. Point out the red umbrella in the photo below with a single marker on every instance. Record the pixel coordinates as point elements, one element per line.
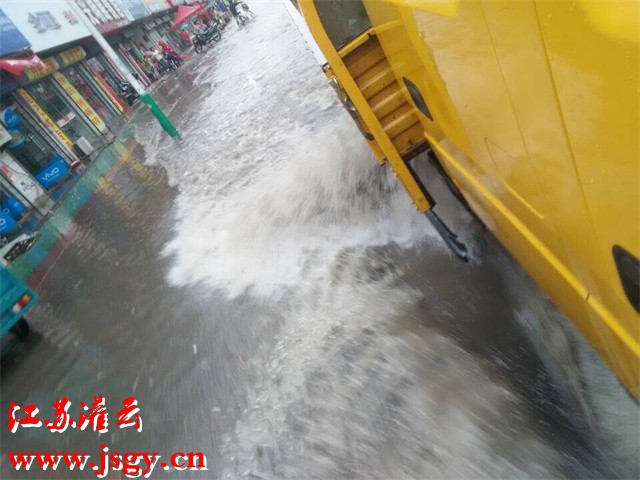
<point>183,14</point>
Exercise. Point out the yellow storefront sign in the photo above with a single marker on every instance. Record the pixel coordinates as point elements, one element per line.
<point>45,118</point>
<point>51,65</point>
<point>72,55</point>
<point>33,73</point>
<point>80,101</point>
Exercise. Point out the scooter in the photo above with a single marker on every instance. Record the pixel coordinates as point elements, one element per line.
<point>201,39</point>
<point>128,93</point>
<point>172,60</point>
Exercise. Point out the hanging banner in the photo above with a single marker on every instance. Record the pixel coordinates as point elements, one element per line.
<point>45,118</point>
<point>80,101</point>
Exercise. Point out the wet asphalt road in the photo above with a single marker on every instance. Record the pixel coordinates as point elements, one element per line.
<point>271,299</point>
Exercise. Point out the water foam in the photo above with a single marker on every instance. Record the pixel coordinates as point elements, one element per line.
<point>293,218</point>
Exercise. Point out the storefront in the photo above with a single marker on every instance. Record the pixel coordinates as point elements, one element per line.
<point>28,146</point>
<point>20,196</point>
<point>108,77</point>
<point>132,57</point>
<point>33,161</point>
<point>60,108</point>
<point>67,98</point>
<point>82,82</point>
<point>11,211</point>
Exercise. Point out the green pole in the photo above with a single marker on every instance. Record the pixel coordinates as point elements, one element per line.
<point>159,114</point>
<point>164,122</point>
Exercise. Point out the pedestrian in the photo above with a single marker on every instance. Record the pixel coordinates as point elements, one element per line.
<point>149,69</point>
<point>167,49</point>
<point>186,39</point>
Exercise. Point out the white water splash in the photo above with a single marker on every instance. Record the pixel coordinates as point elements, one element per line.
<point>274,178</point>
<point>294,217</point>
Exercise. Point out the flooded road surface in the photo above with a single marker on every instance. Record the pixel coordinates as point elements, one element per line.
<point>272,299</point>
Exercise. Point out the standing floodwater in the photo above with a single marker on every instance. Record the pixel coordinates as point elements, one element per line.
<point>391,358</point>
<point>273,299</point>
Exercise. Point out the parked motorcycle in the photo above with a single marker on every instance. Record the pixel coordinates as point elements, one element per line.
<point>128,93</point>
<point>201,39</point>
<point>172,61</point>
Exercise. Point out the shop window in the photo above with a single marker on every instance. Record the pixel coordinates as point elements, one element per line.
<point>61,111</point>
<point>88,92</point>
<point>29,147</point>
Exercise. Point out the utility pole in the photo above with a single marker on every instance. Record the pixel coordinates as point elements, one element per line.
<point>157,112</point>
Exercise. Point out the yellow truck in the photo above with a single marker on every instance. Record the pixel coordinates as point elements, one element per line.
<point>531,109</point>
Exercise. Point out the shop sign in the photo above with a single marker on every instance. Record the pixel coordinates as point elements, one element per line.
<point>45,118</point>
<point>72,55</point>
<point>52,173</point>
<point>13,207</point>
<point>7,223</point>
<point>80,101</point>
<point>53,64</point>
<point>12,39</point>
<point>20,178</point>
<point>50,65</point>
<point>45,24</point>
<point>9,118</point>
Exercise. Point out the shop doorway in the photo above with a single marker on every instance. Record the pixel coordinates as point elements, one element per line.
<point>90,94</point>
<point>63,112</point>
<point>108,77</point>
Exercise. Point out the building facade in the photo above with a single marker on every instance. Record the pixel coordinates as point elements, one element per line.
<point>59,94</point>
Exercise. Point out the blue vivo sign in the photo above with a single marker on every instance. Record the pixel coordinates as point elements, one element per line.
<point>53,172</point>
<point>13,207</point>
<point>7,223</point>
<point>11,40</point>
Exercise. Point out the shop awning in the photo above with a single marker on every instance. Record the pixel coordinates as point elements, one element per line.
<point>183,14</point>
<point>15,66</point>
